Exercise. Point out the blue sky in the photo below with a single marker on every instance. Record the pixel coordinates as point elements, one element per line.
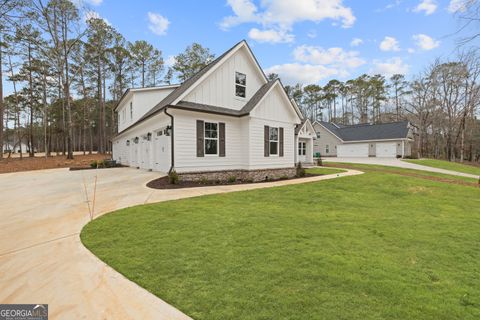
<point>307,41</point>
<point>303,40</point>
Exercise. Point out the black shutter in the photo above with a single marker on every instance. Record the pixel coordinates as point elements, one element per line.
<point>221,152</point>
<point>280,138</point>
<point>200,138</point>
<point>266,141</point>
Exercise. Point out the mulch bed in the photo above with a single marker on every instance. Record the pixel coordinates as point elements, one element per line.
<point>162,183</point>
<point>408,174</point>
<point>53,162</point>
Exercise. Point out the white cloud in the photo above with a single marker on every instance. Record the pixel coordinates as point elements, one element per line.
<point>270,36</point>
<point>356,42</point>
<point>94,15</point>
<point>170,61</point>
<point>389,44</point>
<point>244,10</point>
<point>292,73</point>
<point>94,2</point>
<point>410,50</point>
<point>425,42</point>
<point>313,64</point>
<point>389,67</point>
<point>458,5</point>
<point>331,56</point>
<point>428,6</point>
<point>282,15</point>
<point>158,23</point>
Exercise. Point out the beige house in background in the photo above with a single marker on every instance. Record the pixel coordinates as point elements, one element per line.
<point>389,140</point>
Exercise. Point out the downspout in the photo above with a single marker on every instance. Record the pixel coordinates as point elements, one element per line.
<point>172,144</point>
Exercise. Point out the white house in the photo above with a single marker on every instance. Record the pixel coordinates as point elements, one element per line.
<point>227,117</point>
<point>390,140</point>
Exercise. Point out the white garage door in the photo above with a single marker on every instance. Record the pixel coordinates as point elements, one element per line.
<point>352,150</point>
<point>386,149</point>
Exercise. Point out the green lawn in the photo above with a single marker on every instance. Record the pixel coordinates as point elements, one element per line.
<point>454,166</point>
<point>324,170</point>
<point>369,167</point>
<point>372,246</point>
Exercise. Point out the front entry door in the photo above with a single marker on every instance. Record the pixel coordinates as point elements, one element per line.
<point>302,151</point>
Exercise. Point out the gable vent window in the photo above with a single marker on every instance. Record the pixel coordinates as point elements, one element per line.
<point>211,138</point>
<point>240,84</point>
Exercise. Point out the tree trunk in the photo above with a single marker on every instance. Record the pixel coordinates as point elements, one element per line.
<point>2,107</point>
<point>30,85</point>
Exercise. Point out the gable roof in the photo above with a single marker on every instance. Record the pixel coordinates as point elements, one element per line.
<point>172,100</point>
<point>359,132</point>
<point>247,108</point>
<point>126,93</point>
<point>306,122</point>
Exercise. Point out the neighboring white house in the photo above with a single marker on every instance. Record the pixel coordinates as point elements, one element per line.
<point>389,140</point>
<point>226,117</point>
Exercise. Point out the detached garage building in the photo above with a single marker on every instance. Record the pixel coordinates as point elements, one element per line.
<point>389,140</point>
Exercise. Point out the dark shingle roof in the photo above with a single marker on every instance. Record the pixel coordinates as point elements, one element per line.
<point>299,126</point>
<point>257,97</point>
<point>247,108</point>
<point>200,107</point>
<point>392,130</point>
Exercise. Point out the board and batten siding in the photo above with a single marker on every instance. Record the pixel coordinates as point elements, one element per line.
<point>142,102</point>
<point>218,89</point>
<point>145,154</point>
<point>186,159</point>
<point>273,111</point>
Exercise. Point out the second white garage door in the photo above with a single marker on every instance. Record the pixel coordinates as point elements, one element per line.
<point>352,150</point>
<point>386,149</point>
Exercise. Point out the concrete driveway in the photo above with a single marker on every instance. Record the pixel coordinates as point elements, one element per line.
<point>392,162</point>
<point>42,259</point>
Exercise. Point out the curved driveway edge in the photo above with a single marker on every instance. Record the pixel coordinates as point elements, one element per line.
<point>42,259</point>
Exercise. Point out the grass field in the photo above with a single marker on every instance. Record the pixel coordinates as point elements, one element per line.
<point>396,170</point>
<point>324,170</point>
<point>454,166</point>
<point>372,246</point>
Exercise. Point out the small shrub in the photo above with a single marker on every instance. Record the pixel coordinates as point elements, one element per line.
<point>218,181</point>
<point>283,178</point>
<point>93,164</point>
<point>248,180</point>
<point>319,162</point>
<point>101,164</point>
<point>173,177</point>
<point>300,170</point>
<point>203,180</point>
<point>232,179</point>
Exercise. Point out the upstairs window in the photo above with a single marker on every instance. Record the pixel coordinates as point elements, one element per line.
<point>240,84</point>
<point>211,138</point>
<point>318,135</point>
<point>273,141</point>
